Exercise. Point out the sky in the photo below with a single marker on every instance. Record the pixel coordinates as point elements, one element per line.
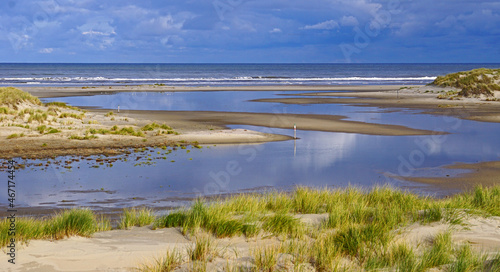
<point>250,31</point>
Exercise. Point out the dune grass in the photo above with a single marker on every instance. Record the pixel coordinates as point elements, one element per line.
<point>43,129</point>
<point>80,222</point>
<point>169,262</point>
<point>72,115</point>
<point>361,225</point>
<point>15,135</point>
<point>266,258</point>
<point>475,82</point>
<point>153,126</point>
<point>201,250</point>
<point>12,97</point>
<point>136,217</point>
<point>130,131</point>
<point>81,138</point>
<point>162,129</point>
<point>358,234</point>
<point>61,105</point>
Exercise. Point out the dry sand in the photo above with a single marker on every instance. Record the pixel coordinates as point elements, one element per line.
<point>126,250</point>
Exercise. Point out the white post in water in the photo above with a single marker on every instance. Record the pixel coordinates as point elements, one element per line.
<point>118,108</point>
<point>294,131</point>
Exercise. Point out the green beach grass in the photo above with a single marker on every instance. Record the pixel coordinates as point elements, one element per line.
<point>136,217</point>
<point>358,234</point>
<point>80,222</point>
<point>361,227</point>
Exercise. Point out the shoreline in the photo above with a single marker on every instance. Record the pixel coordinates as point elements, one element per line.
<point>49,92</point>
<point>419,97</point>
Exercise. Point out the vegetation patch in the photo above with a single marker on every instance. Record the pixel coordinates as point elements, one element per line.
<point>153,126</point>
<point>86,137</point>
<point>72,115</point>
<point>40,118</point>
<point>130,131</point>
<point>12,97</point>
<point>43,129</point>
<point>4,110</point>
<point>472,83</point>
<point>15,135</point>
<point>358,234</point>
<point>136,217</point>
<point>163,129</point>
<point>361,227</point>
<point>61,105</point>
<point>80,222</point>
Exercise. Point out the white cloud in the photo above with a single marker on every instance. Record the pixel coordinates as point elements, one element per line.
<point>46,50</point>
<point>98,32</point>
<point>98,26</point>
<point>166,22</point>
<point>331,24</point>
<point>349,21</point>
<point>275,30</point>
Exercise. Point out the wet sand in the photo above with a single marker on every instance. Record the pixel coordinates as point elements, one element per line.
<point>330,123</point>
<point>483,173</point>
<point>46,92</point>
<point>383,96</point>
<point>203,126</point>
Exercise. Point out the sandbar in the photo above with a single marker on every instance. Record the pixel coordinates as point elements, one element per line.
<point>482,173</point>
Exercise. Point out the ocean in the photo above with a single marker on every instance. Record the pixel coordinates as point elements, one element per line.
<point>19,74</point>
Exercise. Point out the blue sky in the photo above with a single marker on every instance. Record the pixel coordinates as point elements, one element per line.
<point>200,31</point>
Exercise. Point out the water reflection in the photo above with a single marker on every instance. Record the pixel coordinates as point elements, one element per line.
<point>156,177</point>
<point>316,159</point>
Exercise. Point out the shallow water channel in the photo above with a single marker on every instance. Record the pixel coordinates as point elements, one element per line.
<point>168,177</point>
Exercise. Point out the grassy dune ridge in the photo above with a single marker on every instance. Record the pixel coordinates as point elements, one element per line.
<point>12,97</point>
<point>19,109</point>
<point>360,230</point>
<point>472,83</point>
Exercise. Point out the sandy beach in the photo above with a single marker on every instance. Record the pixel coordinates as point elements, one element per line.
<point>127,250</point>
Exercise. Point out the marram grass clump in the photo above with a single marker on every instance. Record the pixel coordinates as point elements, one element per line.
<point>472,83</point>
<point>80,222</point>
<point>136,217</point>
